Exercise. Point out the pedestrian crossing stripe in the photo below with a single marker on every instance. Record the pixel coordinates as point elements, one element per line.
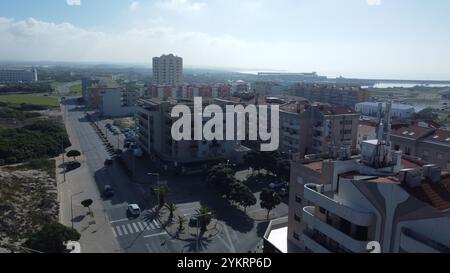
<point>130,229</point>
<point>140,226</point>
<point>135,227</point>
<point>119,230</point>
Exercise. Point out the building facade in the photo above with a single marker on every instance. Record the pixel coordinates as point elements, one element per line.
<point>428,143</point>
<point>155,138</point>
<point>168,70</point>
<point>18,75</point>
<point>399,111</point>
<point>333,94</point>
<point>348,203</point>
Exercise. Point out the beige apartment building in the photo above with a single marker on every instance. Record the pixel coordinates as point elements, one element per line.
<point>427,143</point>
<point>330,93</point>
<point>168,70</point>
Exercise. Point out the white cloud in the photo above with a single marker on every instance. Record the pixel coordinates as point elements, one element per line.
<point>181,5</point>
<point>373,2</point>
<point>73,2</point>
<point>135,6</point>
<point>35,40</point>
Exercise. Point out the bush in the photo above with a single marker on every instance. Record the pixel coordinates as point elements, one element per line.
<point>11,160</point>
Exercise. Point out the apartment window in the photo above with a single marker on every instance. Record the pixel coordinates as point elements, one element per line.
<point>425,153</point>
<point>297,218</point>
<point>440,156</point>
<point>296,236</point>
<point>298,199</point>
<point>361,233</point>
<point>322,210</point>
<point>300,180</point>
<point>396,147</point>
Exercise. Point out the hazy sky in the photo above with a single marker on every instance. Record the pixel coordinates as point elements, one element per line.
<point>354,38</point>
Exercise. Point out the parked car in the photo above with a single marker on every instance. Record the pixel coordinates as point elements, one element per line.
<point>276,185</point>
<point>193,221</point>
<point>108,191</point>
<point>134,209</point>
<point>283,192</point>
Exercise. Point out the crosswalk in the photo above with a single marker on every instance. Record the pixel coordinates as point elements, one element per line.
<point>134,227</point>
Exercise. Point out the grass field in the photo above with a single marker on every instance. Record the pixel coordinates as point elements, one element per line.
<point>30,99</point>
<point>75,90</point>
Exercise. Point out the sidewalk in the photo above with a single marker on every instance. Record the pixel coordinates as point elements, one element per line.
<point>96,232</point>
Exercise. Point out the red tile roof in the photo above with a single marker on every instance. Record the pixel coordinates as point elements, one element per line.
<point>440,135</point>
<point>335,110</point>
<point>412,131</point>
<point>315,166</point>
<point>436,195</point>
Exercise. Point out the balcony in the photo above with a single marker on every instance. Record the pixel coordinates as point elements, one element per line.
<point>312,193</point>
<point>313,245</point>
<point>332,232</point>
<point>414,242</point>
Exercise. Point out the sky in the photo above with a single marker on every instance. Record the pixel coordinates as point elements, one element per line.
<point>397,39</point>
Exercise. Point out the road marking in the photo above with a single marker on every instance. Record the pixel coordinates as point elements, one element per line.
<point>119,230</point>
<point>135,227</point>
<point>121,220</point>
<point>130,229</point>
<point>125,230</point>
<point>156,224</point>
<point>188,204</point>
<point>140,226</point>
<point>155,235</point>
<point>150,226</point>
<point>114,232</point>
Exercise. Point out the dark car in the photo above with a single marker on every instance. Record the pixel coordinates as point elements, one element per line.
<point>108,162</point>
<point>193,221</point>
<point>108,191</point>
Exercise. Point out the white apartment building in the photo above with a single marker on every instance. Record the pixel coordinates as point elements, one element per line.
<point>168,70</point>
<point>344,204</point>
<point>155,138</point>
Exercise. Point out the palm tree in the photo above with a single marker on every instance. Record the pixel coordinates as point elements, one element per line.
<point>181,222</point>
<point>162,192</point>
<point>171,207</point>
<point>205,217</point>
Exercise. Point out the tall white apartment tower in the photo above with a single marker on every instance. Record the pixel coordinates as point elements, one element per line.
<point>168,70</point>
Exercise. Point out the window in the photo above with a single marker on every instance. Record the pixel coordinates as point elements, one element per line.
<point>322,210</point>
<point>397,147</point>
<point>300,180</point>
<point>296,236</point>
<point>298,199</point>
<point>425,153</point>
<point>297,218</point>
<point>440,156</point>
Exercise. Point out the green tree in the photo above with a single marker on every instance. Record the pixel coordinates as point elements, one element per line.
<point>204,217</point>
<point>162,192</point>
<point>51,238</point>
<point>87,204</point>
<point>221,178</point>
<point>171,207</point>
<point>269,200</point>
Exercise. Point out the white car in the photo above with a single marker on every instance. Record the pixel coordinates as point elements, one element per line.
<point>134,209</point>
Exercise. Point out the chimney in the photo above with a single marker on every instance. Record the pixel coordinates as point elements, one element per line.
<point>432,173</point>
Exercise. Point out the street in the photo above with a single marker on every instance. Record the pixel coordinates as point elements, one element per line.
<point>112,230</point>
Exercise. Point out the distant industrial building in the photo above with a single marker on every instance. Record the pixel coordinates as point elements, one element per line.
<point>12,75</point>
<point>328,93</point>
<point>399,111</point>
<point>290,77</point>
<point>168,70</point>
<point>266,88</point>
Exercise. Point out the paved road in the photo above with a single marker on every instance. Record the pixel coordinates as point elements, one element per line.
<point>144,234</point>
